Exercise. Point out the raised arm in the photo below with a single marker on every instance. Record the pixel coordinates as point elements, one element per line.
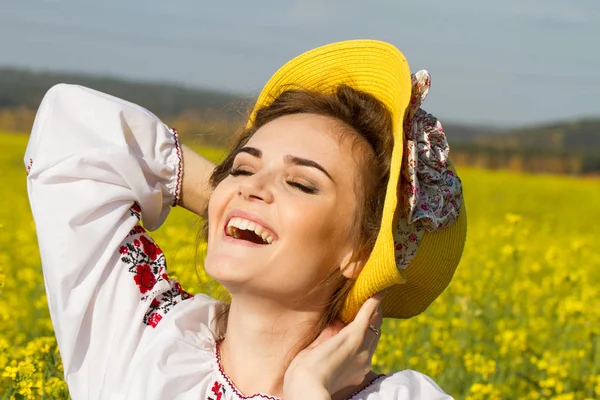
<point>95,164</point>
<point>195,189</point>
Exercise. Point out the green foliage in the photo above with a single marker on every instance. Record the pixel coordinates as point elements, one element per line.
<point>520,320</point>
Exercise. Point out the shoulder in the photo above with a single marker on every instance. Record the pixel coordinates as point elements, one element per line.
<point>403,385</point>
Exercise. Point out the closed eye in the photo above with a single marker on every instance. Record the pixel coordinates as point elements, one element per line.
<point>304,188</point>
<point>239,171</point>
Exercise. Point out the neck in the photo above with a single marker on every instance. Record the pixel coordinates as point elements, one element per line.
<point>261,340</point>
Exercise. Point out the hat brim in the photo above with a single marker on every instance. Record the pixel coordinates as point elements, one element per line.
<point>380,69</point>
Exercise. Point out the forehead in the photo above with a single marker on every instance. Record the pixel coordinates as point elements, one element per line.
<point>304,135</point>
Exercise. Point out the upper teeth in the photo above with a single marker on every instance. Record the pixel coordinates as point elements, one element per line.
<point>247,225</point>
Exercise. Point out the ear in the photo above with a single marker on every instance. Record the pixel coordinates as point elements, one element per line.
<point>350,265</point>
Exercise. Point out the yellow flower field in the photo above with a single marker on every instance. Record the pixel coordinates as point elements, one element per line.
<point>521,319</point>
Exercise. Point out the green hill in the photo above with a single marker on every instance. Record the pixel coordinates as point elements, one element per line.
<point>561,147</point>
<point>23,88</point>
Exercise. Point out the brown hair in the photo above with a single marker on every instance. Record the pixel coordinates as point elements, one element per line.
<point>368,122</point>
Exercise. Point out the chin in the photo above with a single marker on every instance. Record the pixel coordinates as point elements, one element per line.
<point>240,277</point>
<point>227,269</point>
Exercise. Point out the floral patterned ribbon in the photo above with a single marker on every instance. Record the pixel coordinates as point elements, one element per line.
<point>433,192</point>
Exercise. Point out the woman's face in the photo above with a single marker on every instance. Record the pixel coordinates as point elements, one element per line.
<point>283,219</point>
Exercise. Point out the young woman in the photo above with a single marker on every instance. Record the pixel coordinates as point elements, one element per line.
<point>324,200</point>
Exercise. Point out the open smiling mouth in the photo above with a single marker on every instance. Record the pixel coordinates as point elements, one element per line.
<point>243,229</point>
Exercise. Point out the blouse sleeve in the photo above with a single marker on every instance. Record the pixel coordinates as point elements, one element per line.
<point>96,164</point>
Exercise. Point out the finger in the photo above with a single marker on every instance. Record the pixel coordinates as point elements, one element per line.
<point>372,337</point>
<point>375,324</point>
<point>368,311</point>
<point>377,317</point>
<point>373,332</point>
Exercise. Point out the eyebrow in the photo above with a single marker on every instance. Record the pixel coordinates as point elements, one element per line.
<point>253,151</point>
<point>289,159</point>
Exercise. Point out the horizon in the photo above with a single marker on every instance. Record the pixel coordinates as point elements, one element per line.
<point>509,64</point>
<point>252,96</point>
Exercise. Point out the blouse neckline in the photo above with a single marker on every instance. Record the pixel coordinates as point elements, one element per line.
<point>229,382</point>
<point>231,386</point>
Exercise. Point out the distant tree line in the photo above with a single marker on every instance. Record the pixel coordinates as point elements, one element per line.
<point>207,116</point>
<point>210,130</point>
<point>22,88</point>
<point>211,118</point>
<point>571,147</point>
<point>526,160</point>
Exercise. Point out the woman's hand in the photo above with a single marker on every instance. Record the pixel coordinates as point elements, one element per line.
<point>340,357</point>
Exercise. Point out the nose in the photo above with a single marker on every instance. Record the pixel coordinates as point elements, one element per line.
<point>256,187</point>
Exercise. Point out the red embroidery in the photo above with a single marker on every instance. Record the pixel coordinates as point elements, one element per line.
<point>179,168</point>
<point>154,319</point>
<point>136,210</point>
<point>218,390</point>
<point>29,165</point>
<point>150,249</point>
<point>144,278</point>
<point>147,263</point>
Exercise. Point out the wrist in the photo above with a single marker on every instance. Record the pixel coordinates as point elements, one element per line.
<point>195,187</point>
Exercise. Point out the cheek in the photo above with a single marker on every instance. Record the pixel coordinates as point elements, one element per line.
<point>317,233</point>
<point>317,225</point>
<point>216,206</point>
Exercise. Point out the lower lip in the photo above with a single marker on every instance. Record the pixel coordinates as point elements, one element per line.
<point>231,239</point>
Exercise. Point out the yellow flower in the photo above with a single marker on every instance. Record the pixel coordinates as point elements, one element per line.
<point>521,311</point>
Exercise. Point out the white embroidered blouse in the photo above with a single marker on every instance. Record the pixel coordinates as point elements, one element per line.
<point>96,166</point>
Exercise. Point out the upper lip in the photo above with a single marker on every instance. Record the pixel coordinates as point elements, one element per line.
<point>251,217</point>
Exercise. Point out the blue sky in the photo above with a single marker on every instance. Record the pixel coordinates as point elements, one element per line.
<point>508,62</point>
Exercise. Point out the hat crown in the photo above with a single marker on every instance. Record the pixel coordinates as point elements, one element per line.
<point>371,66</point>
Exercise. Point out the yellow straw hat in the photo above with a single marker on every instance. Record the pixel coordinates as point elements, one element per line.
<point>415,254</point>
